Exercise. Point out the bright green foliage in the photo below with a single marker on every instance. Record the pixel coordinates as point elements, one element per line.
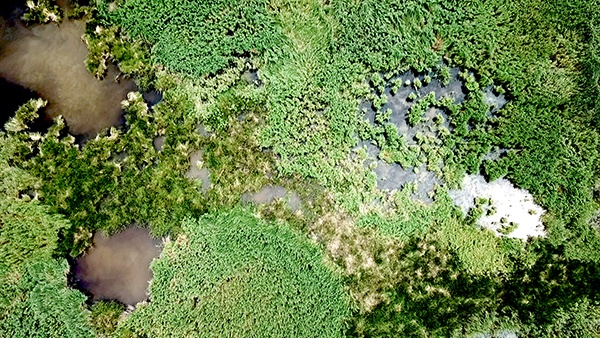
<point>233,275</point>
<point>386,35</point>
<point>36,302</point>
<point>478,250</point>
<point>27,231</point>
<point>13,180</point>
<point>197,37</point>
<point>34,299</point>
<point>581,319</point>
<point>107,45</point>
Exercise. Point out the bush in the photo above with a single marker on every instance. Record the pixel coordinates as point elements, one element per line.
<point>232,275</point>
<point>197,37</point>
<point>34,299</point>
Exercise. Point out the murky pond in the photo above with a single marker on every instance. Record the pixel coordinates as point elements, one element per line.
<point>13,96</point>
<point>50,60</point>
<point>118,267</point>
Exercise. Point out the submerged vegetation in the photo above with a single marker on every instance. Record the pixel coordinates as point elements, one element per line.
<point>327,101</point>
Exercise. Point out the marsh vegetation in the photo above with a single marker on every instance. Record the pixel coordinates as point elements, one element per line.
<point>307,168</point>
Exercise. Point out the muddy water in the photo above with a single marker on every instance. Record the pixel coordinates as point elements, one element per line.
<point>270,193</point>
<point>118,267</point>
<point>50,60</point>
<point>198,170</point>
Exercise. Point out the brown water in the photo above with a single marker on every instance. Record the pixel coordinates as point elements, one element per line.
<point>198,170</point>
<point>50,60</point>
<point>269,193</point>
<point>118,267</point>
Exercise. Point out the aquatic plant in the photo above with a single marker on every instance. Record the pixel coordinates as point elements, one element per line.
<point>417,83</point>
<point>42,11</point>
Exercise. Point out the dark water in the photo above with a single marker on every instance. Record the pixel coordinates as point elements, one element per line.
<point>11,9</point>
<point>13,96</point>
<point>50,60</point>
<point>118,267</point>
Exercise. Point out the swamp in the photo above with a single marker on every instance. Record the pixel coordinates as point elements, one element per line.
<point>307,168</point>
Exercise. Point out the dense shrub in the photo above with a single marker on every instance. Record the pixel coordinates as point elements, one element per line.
<point>233,275</point>
<point>34,299</point>
<point>197,37</point>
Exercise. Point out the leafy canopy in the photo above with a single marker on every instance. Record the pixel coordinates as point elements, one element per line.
<point>232,275</point>
<point>197,37</point>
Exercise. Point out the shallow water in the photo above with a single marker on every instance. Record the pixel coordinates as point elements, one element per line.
<point>50,60</point>
<point>392,176</point>
<point>118,267</point>
<point>269,193</point>
<point>198,170</point>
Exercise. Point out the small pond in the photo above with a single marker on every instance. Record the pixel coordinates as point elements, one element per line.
<point>118,267</point>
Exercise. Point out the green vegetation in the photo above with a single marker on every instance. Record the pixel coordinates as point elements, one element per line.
<point>197,37</point>
<point>269,282</point>
<point>34,299</point>
<point>281,93</point>
<point>104,317</point>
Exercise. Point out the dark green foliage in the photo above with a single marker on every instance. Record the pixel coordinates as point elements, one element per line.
<point>230,274</point>
<point>552,291</point>
<point>194,37</point>
<point>114,180</point>
<point>237,162</point>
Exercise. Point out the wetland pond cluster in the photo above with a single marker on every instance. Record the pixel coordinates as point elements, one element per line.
<point>307,168</point>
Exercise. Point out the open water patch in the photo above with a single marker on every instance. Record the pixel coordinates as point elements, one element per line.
<point>50,60</point>
<point>271,193</point>
<point>118,267</point>
<point>198,171</point>
<point>419,109</point>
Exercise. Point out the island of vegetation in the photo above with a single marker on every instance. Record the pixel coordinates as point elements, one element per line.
<point>307,168</point>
